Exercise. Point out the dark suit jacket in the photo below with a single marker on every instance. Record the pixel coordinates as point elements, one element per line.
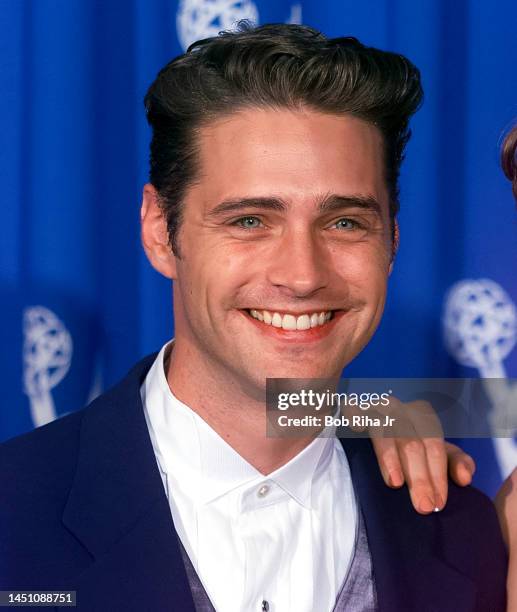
<point>82,507</point>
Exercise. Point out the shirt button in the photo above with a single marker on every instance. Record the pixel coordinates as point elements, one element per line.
<point>265,606</point>
<point>262,492</point>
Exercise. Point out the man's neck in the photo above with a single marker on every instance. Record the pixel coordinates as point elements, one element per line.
<point>239,418</point>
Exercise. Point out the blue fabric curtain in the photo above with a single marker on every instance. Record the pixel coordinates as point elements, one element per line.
<point>79,301</point>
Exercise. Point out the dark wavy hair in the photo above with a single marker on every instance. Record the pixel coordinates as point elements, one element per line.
<point>509,159</point>
<point>273,66</point>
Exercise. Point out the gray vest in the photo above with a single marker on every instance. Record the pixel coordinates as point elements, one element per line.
<point>357,593</point>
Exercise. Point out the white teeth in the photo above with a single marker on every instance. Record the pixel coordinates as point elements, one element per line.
<point>303,322</point>
<point>289,321</point>
<point>276,320</point>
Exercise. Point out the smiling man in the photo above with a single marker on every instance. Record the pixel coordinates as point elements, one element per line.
<point>282,260</point>
<point>272,206</point>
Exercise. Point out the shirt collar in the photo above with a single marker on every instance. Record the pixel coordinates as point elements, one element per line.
<point>186,445</point>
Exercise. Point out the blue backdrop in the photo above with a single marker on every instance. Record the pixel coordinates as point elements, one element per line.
<point>80,303</point>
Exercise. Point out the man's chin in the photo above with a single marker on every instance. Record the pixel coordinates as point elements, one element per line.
<point>300,372</point>
<point>291,363</point>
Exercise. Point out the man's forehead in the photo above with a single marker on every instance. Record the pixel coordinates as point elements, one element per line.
<point>290,155</point>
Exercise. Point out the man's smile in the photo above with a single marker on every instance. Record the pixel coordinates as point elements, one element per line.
<point>290,321</point>
<point>304,326</point>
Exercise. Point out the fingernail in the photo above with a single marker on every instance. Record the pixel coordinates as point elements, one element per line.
<point>439,503</point>
<point>426,505</point>
<point>395,478</point>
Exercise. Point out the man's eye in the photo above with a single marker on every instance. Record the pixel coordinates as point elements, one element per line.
<point>346,224</point>
<point>248,222</point>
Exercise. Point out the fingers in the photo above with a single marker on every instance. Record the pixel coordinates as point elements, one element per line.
<point>410,457</point>
<point>424,419</point>
<point>389,462</point>
<point>415,452</point>
<point>413,457</point>
<point>436,457</point>
<point>461,465</point>
<point>429,429</point>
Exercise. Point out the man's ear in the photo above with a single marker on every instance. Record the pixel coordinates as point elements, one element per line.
<point>394,244</point>
<point>155,237</point>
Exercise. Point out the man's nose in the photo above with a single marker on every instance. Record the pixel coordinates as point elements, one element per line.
<point>299,264</point>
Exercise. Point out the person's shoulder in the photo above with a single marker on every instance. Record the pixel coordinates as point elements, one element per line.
<point>468,499</point>
<point>471,537</point>
<point>48,454</point>
<point>470,516</point>
<point>472,508</point>
<point>468,522</point>
<point>38,471</point>
<point>40,451</point>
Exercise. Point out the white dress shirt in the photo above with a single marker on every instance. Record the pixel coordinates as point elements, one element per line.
<point>286,538</point>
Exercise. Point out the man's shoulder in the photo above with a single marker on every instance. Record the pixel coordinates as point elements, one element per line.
<point>460,547</point>
<point>48,454</point>
<point>40,452</point>
<point>470,517</point>
<point>461,499</point>
<point>464,531</point>
<point>66,465</point>
<point>36,473</point>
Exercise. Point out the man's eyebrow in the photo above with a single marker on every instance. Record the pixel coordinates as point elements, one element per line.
<point>328,204</point>
<point>260,203</point>
<point>339,202</point>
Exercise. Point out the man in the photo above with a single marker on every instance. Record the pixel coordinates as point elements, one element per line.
<point>272,205</point>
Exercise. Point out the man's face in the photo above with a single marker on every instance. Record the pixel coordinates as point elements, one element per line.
<point>287,226</point>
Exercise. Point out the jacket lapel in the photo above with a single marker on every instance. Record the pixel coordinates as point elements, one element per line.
<point>408,570</point>
<point>118,510</point>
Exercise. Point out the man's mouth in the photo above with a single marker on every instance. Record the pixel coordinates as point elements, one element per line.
<point>293,322</point>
